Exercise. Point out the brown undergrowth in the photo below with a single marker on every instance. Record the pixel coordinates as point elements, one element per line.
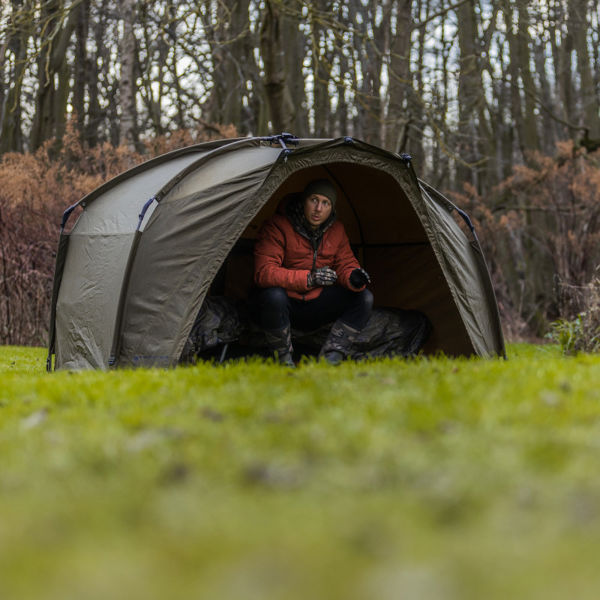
<point>540,231</point>
<point>35,189</point>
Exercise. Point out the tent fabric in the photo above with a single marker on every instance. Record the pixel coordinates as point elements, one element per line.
<point>148,245</point>
<point>86,308</point>
<point>462,271</point>
<point>167,288</point>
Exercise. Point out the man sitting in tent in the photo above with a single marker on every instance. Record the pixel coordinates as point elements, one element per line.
<point>309,276</point>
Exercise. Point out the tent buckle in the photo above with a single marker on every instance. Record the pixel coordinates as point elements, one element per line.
<point>282,139</point>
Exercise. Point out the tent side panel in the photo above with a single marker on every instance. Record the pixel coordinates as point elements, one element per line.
<point>181,249</point>
<point>466,279</point>
<point>100,243</point>
<point>492,302</point>
<point>117,210</point>
<point>87,300</point>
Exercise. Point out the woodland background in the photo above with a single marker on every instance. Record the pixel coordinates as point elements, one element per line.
<point>498,103</point>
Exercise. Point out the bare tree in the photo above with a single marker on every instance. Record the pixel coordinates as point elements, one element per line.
<point>13,66</point>
<point>127,85</point>
<point>279,98</point>
<point>55,28</point>
<point>588,93</point>
<point>467,87</point>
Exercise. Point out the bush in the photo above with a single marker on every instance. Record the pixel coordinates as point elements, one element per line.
<point>582,333</point>
<point>539,227</point>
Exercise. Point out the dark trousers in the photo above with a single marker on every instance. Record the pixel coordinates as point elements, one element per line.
<point>273,309</point>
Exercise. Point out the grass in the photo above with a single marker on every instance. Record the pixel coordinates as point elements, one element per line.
<point>429,479</point>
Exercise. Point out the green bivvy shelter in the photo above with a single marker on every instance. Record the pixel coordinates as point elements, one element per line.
<point>136,265</point>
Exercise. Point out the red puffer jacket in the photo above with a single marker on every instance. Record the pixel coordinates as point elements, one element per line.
<point>284,258</point>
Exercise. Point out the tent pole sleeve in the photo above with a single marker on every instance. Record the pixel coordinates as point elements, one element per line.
<point>116,340</point>
<point>467,220</point>
<point>61,254</point>
<point>465,217</point>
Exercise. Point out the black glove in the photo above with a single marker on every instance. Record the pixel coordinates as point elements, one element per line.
<point>322,276</point>
<point>359,277</point>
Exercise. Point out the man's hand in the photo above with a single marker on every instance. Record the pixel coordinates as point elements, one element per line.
<point>321,277</point>
<point>359,277</point>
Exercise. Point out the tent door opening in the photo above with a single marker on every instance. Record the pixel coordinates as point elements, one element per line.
<point>386,236</point>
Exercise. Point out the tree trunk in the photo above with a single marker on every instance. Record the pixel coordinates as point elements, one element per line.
<point>523,104</point>
<point>18,34</point>
<point>506,130</point>
<point>371,68</point>
<point>562,51</point>
<point>127,86</point>
<point>232,44</point>
<point>50,102</point>
<point>530,140</point>
<point>95,123</point>
<point>438,171</point>
<point>416,92</point>
<point>295,49</point>
<point>81,64</point>
<point>279,99</point>
<point>469,94</point>
<point>549,133</point>
<point>578,28</point>
<point>320,71</point>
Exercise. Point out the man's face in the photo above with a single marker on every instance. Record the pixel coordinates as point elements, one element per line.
<point>317,209</point>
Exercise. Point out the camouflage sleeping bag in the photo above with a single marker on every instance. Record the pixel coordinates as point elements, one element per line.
<point>223,329</point>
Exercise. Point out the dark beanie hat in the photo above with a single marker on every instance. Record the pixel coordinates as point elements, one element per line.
<point>323,187</point>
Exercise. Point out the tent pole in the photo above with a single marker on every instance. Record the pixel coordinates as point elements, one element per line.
<point>116,340</point>
<point>61,253</point>
<point>223,352</point>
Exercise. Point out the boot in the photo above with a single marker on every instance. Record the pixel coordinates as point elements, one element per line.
<point>279,342</point>
<point>339,342</point>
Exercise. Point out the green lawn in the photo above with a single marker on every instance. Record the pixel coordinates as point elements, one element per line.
<point>426,479</point>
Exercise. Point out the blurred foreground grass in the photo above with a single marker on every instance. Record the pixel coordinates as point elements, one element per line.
<point>429,479</point>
